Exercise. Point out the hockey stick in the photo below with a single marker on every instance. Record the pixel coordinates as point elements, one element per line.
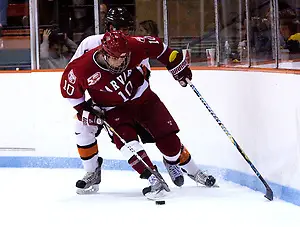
<point>155,173</point>
<point>269,192</point>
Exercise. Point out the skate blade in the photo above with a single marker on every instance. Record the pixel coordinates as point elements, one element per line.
<point>91,190</point>
<point>215,186</point>
<point>205,186</point>
<point>157,195</point>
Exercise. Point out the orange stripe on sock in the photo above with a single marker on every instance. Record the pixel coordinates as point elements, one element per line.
<point>88,152</point>
<point>184,156</point>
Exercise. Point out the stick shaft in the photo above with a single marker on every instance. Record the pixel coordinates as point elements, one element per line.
<point>134,152</point>
<point>269,192</point>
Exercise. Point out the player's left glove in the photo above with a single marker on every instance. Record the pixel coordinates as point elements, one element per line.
<point>179,68</point>
<point>90,115</point>
<point>92,118</point>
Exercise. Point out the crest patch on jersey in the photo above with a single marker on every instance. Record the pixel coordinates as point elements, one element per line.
<point>72,77</point>
<point>94,78</point>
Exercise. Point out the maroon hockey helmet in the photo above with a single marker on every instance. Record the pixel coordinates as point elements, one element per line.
<point>115,46</point>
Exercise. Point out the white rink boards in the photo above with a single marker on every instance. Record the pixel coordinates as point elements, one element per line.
<point>261,110</point>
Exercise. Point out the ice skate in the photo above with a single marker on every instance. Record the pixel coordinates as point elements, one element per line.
<point>158,188</point>
<point>202,178</point>
<point>175,173</point>
<point>91,180</point>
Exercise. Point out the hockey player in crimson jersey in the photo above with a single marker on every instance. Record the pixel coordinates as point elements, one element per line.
<point>116,84</point>
<point>118,18</point>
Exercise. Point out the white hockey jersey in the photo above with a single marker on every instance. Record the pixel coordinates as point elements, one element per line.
<point>93,41</point>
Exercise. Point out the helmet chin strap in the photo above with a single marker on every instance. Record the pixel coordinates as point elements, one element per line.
<point>101,61</point>
<point>105,61</point>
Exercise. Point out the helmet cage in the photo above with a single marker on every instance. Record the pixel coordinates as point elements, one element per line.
<point>116,69</point>
<point>115,45</point>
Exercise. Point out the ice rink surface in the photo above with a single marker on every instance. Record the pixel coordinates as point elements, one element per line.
<point>46,197</point>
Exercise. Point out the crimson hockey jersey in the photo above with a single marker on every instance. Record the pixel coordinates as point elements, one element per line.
<point>107,89</point>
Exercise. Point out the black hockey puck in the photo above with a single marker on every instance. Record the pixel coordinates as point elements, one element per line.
<point>160,202</point>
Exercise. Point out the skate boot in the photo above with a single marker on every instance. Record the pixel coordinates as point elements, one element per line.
<point>158,187</point>
<point>91,180</point>
<point>175,173</point>
<point>203,178</point>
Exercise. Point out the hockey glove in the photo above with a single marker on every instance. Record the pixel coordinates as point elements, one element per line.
<point>89,118</point>
<point>144,71</point>
<point>179,68</point>
<point>90,115</point>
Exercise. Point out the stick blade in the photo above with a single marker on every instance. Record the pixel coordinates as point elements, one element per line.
<point>269,194</point>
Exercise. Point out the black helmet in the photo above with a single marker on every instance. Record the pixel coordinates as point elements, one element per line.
<point>119,17</point>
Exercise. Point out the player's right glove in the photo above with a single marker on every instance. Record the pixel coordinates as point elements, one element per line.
<point>179,68</point>
<point>90,115</point>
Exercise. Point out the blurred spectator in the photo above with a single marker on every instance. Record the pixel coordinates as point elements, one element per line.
<point>287,14</point>
<point>91,29</point>
<point>79,14</point>
<point>261,37</point>
<point>3,14</point>
<point>289,29</point>
<point>56,50</point>
<point>148,27</point>
<point>103,12</point>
